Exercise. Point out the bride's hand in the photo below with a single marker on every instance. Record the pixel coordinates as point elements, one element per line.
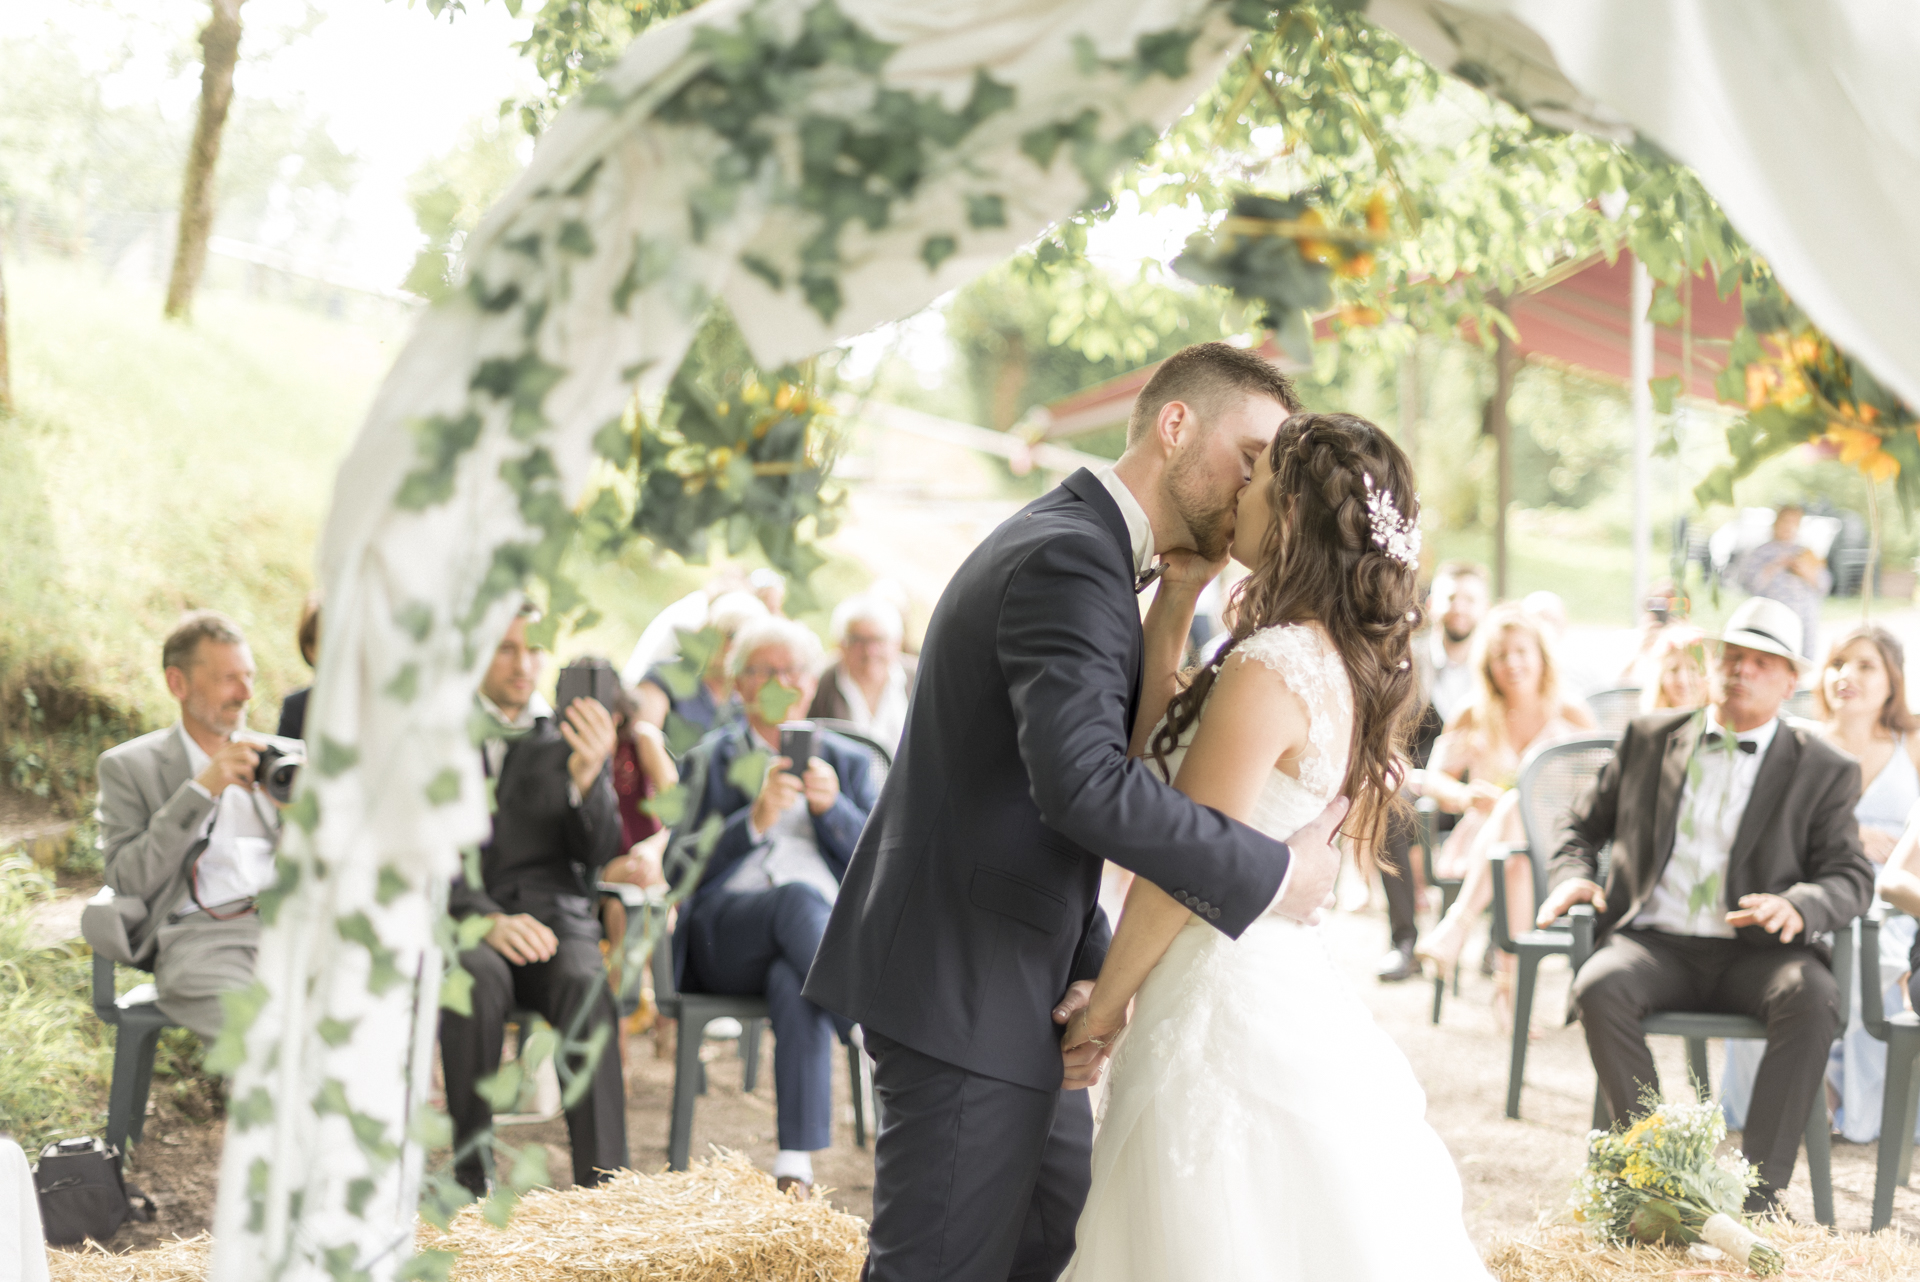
<point>1087,1043</point>
<point>1187,572</point>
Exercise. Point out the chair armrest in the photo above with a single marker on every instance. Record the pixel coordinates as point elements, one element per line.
<point>103,995</point>
<point>1497,867</point>
<point>1873,1011</point>
<point>1843,955</point>
<point>1581,920</point>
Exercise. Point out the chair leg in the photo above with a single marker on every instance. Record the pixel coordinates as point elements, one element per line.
<point>133,1052</point>
<point>1602,1118</point>
<point>1897,1110</point>
<point>1529,968</point>
<point>688,1079</point>
<point>1439,996</point>
<point>1697,1069</point>
<point>750,1054</point>
<point>857,1086</point>
<point>1820,1157</point>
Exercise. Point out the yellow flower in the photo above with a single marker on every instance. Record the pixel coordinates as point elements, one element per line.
<point>1377,213</point>
<point>1863,449</point>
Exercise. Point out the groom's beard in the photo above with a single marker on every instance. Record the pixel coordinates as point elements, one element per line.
<point>1208,516</point>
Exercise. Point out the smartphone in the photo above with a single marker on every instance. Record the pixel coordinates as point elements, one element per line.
<point>587,679</point>
<point>796,743</point>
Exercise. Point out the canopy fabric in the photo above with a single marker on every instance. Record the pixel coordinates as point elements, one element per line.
<point>817,167</point>
<point>1799,118</point>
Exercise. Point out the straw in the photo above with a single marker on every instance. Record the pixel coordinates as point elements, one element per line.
<point>1566,1254</point>
<point>721,1220</point>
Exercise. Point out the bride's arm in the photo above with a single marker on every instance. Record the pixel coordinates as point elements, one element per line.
<point>1252,721</point>
<point>1168,624</point>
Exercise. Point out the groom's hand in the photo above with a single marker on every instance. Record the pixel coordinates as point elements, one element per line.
<point>1315,865</point>
<point>1087,1043</point>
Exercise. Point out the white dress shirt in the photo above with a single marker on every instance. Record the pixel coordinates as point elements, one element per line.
<point>1139,528</point>
<point>788,852</point>
<point>888,719</point>
<point>1691,898</point>
<point>238,860</point>
<point>1452,687</point>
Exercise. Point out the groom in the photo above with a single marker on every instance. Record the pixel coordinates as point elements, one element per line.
<point>968,925</point>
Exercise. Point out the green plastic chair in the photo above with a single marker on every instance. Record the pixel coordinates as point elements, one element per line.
<point>1900,1102</point>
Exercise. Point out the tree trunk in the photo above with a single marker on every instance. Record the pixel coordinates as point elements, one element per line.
<point>6,377</point>
<point>1506,363</point>
<point>220,49</point>
<point>1009,381</point>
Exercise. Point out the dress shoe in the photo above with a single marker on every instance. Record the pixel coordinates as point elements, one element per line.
<point>1398,965</point>
<point>794,1187</point>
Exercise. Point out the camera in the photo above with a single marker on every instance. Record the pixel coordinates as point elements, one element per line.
<point>280,762</point>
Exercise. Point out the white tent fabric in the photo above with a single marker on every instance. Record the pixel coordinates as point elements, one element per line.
<point>23,1243</point>
<point>1802,119</point>
<point>589,277</point>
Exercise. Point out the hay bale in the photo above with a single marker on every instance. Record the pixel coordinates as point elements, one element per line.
<point>1566,1254</point>
<point>722,1219</point>
<point>179,1260</point>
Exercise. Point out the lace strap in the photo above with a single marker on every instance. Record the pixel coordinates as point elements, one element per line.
<point>1303,657</point>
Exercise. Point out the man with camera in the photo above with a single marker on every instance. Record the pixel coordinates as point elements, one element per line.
<point>556,822</point>
<point>755,920</point>
<point>187,828</point>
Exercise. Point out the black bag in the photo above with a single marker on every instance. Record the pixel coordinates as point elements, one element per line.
<point>82,1194</point>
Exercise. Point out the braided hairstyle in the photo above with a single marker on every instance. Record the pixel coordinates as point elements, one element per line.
<point>1320,560</point>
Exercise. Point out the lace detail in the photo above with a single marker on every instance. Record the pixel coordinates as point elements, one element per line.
<point>1303,656</point>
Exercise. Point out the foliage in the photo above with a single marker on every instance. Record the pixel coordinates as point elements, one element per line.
<point>449,195</point>
<point>1660,1181</point>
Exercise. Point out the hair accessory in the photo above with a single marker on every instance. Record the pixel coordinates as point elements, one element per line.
<point>1393,534</point>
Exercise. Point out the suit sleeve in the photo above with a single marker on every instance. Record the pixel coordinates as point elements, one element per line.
<point>595,823</point>
<point>1067,625</point>
<point>1839,880</point>
<point>140,848</point>
<point>1591,825</point>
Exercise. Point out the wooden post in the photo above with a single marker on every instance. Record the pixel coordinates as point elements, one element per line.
<point>1640,396</point>
<point>1506,363</point>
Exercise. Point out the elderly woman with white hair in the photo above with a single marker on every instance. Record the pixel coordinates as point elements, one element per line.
<point>755,919</point>
<point>706,703</point>
<point>869,684</point>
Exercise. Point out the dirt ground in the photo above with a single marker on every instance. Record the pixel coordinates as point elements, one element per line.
<point>1514,1172</point>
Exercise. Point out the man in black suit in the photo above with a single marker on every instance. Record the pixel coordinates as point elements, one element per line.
<point>556,822</point>
<point>1734,850</point>
<point>755,920</point>
<point>968,925</point>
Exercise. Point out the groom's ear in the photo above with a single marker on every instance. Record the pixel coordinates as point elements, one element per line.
<point>1175,424</point>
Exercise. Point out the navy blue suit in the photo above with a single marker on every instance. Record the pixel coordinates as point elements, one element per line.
<point>973,898</point>
<point>761,942</point>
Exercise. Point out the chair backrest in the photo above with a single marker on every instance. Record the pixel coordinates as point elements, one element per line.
<point>664,990</point>
<point>1612,709</point>
<point>1552,778</point>
<point>877,752</point>
<point>1799,704</point>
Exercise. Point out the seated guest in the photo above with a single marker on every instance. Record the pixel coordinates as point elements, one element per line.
<point>1518,704</point>
<point>770,586</point>
<point>1862,700</point>
<point>555,823</point>
<point>1735,850</point>
<point>293,709</point>
<point>642,769</point>
<point>708,703</point>
<point>869,684</point>
<point>184,827</point>
<point>1783,569</point>
<point>756,917</point>
<point>1676,670</point>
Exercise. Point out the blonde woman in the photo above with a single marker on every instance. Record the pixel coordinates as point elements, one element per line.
<point>1679,679</point>
<point>1518,705</point>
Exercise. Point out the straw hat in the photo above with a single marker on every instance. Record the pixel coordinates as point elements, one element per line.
<point>1766,625</point>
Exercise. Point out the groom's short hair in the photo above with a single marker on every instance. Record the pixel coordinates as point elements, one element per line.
<point>1204,376</point>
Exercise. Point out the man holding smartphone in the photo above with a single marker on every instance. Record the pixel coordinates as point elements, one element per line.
<point>555,823</point>
<point>787,829</point>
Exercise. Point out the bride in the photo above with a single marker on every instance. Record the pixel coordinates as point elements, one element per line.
<point>1257,1123</point>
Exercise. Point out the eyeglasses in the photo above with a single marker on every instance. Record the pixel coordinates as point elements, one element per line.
<point>785,676</point>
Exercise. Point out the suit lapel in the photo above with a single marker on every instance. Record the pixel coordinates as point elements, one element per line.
<point>1086,487</point>
<point>1769,787</point>
<point>172,763</point>
<point>1672,781</point>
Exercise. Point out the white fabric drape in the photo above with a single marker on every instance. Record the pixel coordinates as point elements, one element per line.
<point>1802,117</point>
<point>593,276</point>
<point>23,1244</point>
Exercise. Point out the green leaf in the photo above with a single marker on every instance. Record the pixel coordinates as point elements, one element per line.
<point>335,758</point>
<point>336,1032</point>
<point>748,771</point>
<point>239,1007</point>
<point>405,684</point>
<point>1665,308</point>
<point>359,1193</point>
<point>774,701</point>
<point>286,877</point>
<point>390,887</point>
<point>1664,390</point>
<point>415,618</point>
<point>986,210</point>
<point>499,1208</point>
<point>936,250</point>
<point>444,787</point>
<point>529,1168</point>
<point>303,812</point>
<point>501,1089</point>
<point>254,1109</point>
<point>456,989</point>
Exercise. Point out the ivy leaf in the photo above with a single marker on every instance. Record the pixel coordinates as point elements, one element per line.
<point>501,1089</point>
<point>774,700</point>
<point>1664,390</point>
<point>749,770</point>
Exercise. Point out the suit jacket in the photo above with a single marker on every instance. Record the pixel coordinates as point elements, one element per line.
<point>293,714</point>
<point>836,831</point>
<point>150,820</point>
<point>1797,837</point>
<point>545,854</point>
<point>973,897</point>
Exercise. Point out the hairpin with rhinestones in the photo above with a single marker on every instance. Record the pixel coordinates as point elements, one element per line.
<point>1393,534</point>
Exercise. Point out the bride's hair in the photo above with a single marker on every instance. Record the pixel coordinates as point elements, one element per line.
<point>1333,553</point>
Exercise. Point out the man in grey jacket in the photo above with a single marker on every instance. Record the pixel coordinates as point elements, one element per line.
<point>184,828</point>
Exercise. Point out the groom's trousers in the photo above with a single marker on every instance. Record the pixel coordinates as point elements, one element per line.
<point>975,1179</point>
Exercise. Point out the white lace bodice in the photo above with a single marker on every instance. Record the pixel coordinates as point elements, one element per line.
<point>1304,657</point>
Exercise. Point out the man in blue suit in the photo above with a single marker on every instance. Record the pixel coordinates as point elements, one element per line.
<point>755,920</point>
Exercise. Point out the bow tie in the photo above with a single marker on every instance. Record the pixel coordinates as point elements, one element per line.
<point>1714,739</point>
<point>1146,579</point>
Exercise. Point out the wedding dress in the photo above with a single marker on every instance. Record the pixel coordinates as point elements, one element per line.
<point>1258,1124</point>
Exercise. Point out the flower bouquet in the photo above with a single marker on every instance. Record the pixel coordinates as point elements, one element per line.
<point>1659,1181</point>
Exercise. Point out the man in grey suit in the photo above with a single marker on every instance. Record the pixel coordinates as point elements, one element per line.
<point>184,829</point>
